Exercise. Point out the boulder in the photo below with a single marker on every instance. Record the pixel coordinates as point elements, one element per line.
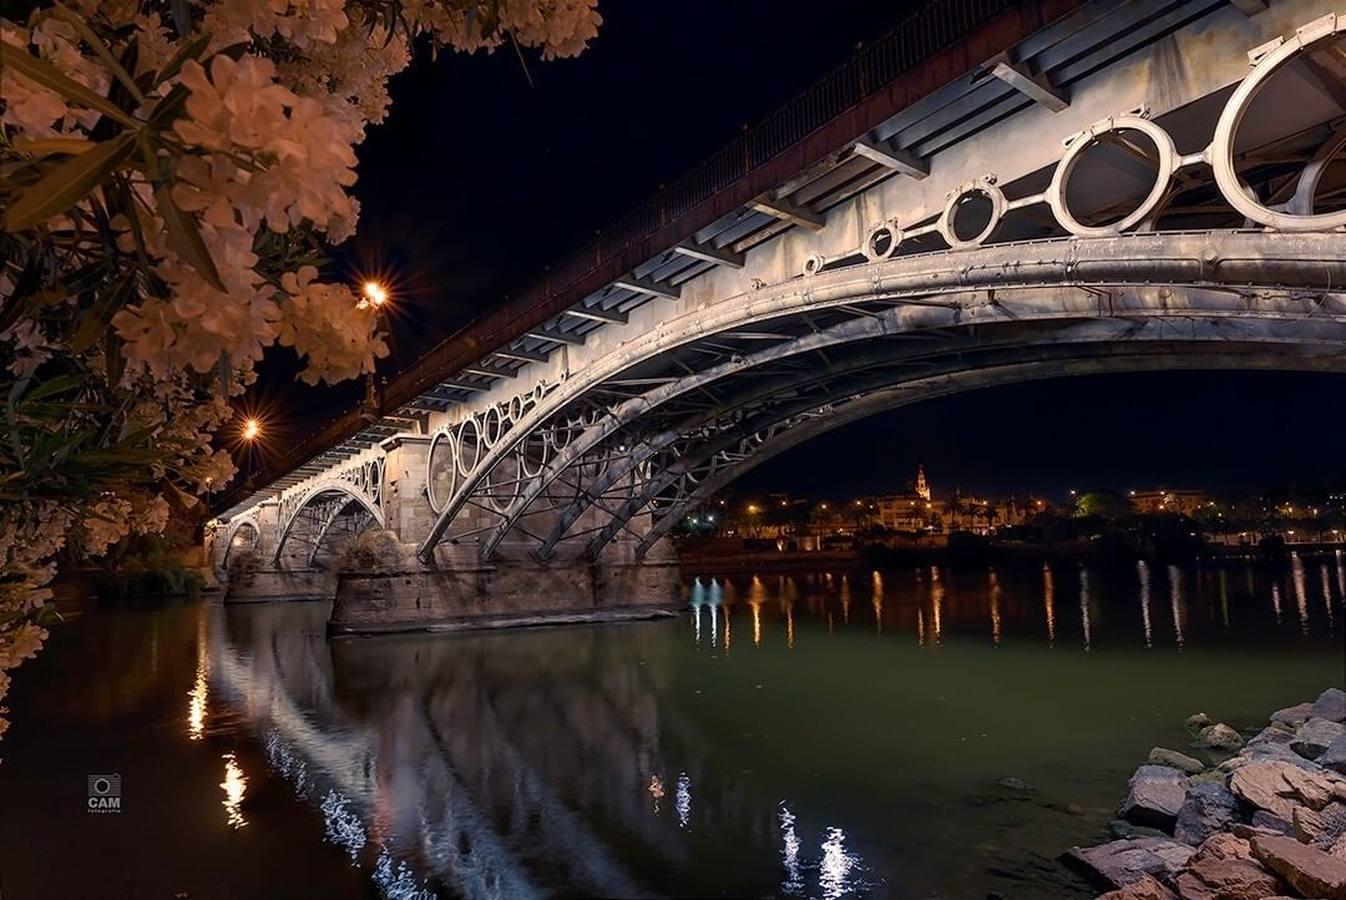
<point>1308,870</point>
<point>1207,809</point>
<point>1334,757</point>
<point>1311,787</point>
<point>1119,863</point>
<point>1198,721</point>
<point>1219,737</point>
<point>1321,829</point>
<point>1331,704</point>
<point>1146,888</point>
<point>1314,737</point>
<point>1211,878</point>
<point>1162,756</point>
<point>1223,845</point>
<point>1294,716</point>
<point>1270,823</point>
<point>1154,795</point>
<point>1278,787</point>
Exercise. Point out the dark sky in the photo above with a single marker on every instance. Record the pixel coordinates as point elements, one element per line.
<point>485,173</point>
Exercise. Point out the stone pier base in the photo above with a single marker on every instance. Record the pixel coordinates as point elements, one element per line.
<point>279,584</point>
<point>507,594</point>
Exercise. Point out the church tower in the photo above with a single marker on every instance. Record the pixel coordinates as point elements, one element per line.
<point>922,487</point>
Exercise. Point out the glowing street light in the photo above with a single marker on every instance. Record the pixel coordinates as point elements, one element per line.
<point>252,430</point>
<point>375,294</point>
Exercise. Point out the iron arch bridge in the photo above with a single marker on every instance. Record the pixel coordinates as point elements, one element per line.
<point>964,242</point>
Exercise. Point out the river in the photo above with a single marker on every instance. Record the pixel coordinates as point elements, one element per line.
<point>830,734</point>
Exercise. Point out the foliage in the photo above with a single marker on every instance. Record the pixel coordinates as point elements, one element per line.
<point>372,550</point>
<point>170,175</point>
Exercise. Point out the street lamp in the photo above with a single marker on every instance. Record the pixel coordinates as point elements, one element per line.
<point>375,294</point>
<point>252,430</point>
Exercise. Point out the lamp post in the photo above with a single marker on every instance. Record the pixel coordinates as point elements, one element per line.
<point>375,296</point>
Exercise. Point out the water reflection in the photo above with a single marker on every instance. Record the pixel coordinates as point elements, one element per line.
<point>235,785</point>
<point>619,762</point>
<point>1176,601</point>
<point>1143,568</point>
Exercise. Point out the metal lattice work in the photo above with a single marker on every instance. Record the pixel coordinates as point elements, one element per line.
<point>349,501</point>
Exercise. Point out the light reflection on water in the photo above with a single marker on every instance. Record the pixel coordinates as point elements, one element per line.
<point>853,748</point>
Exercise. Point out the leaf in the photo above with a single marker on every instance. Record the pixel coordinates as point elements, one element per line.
<point>67,184</point>
<point>69,146</point>
<point>49,77</point>
<point>169,108</point>
<point>51,386</point>
<point>185,238</point>
<point>190,50</point>
<point>95,321</point>
<point>99,48</point>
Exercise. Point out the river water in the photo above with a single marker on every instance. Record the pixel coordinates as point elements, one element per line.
<point>818,735</point>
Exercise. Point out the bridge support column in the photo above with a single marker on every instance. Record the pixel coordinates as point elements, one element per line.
<point>406,505</point>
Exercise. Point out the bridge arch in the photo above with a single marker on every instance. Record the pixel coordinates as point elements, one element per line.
<point>1211,287</point>
<point>311,516</point>
<point>241,534</point>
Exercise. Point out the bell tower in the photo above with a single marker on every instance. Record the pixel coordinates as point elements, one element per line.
<point>922,486</point>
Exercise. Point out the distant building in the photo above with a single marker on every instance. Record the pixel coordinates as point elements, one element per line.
<point>913,510</point>
<point>1184,502</point>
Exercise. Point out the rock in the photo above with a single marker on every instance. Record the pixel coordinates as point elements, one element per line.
<point>1293,716</point>
<point>1119,863</point>
<point>1154,796</point>
<point>1308,870</point>
<point>1273,734</point>
<point>1334,757</point>
<point>1144,889</point>
<point>1321,829</point>
<point>1162,756</point>
<point>1331,704</point>
<point>1312,787</point>
<point>1223,845</point>
<point>1226,879</point>
<point>1268,750</point>
<point>1270,823</point>
<point>1338,850</point>
<point>1276,787</point>
<point>1219,737</point>
<point>1210,776</point>
<point>1314,737</point>
<point>1198,721</point>
<point>1015,784</point>
<point>1208,808</point>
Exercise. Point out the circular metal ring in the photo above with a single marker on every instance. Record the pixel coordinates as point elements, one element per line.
<point>888,231</point>
<point>446,438</point>
<point>460,451</point>
<point>1163,176</point>
<point>1226,130</point>
<point>538,440</point>
<point>492,425</point>
<point>814,264</point>
<point>986,188</point>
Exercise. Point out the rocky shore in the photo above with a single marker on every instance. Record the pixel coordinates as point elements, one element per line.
<point>1237,818</point>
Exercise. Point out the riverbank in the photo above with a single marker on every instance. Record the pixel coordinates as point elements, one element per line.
<point>1234,818</point>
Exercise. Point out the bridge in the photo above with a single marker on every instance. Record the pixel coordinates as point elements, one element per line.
<point>998,192</point>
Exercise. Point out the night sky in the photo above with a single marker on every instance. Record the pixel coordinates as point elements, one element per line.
<point>489,168</point>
